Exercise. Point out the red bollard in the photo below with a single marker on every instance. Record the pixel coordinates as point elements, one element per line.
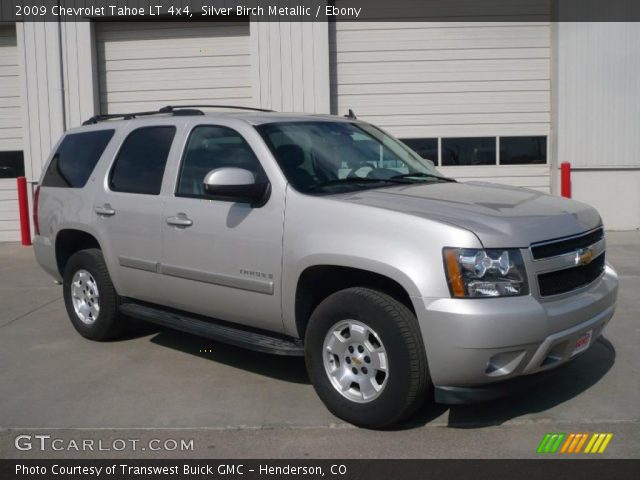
<point>565,179</point>
<point>23,205</point>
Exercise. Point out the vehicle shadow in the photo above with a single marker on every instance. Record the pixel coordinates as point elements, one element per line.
<point>288,369</point>
<point>551,389</point>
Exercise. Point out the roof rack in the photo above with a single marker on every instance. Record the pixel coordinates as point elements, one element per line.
<point>177,110</point>
<point>170,108</point>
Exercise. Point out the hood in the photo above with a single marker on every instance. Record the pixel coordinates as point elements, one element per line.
<point>500,216</point>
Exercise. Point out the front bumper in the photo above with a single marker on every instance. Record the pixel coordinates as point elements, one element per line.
<point>474,344</point>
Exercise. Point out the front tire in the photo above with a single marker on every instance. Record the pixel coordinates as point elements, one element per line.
<point>365,358</point>
<point>90,297</point>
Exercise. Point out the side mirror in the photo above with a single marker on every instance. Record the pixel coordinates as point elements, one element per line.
<point>235,185</point>
<point>430,162</point>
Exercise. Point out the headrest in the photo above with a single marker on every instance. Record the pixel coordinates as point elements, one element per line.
<point>290,155</point>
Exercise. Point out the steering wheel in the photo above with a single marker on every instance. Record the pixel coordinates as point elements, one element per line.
<point>359,165</point>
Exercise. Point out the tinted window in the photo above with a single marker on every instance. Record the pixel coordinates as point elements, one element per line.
<point>140,164</point>
<point>469,151</point>
<point>75,159</point>
<point>11,164</point>
<point>211,147</point>
<point>523,150</point>
<point>425,147</point>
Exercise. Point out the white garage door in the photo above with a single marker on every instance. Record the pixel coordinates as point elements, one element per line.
<point>474,95</point>
<point>144,66</point>
<point>10,134</point>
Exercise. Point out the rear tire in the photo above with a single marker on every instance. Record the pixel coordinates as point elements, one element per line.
<point>90,297</point>
<point>366,358</point>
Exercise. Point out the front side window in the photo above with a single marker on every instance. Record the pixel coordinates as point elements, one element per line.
<point>331,156</point>
<point>75,159</point>
<point>139,166</point>
<point>211,147</point>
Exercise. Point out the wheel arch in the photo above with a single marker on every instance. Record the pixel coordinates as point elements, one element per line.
<point>317,282</point>
<point>69,241</point>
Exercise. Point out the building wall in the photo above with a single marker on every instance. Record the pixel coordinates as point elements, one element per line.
<point>10,130</point>
<point>597,117</point>
<point>580,87</point>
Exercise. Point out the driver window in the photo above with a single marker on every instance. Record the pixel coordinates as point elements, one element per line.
<point>211,147</point>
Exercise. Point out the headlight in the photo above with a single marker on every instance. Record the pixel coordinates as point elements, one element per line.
<point>485,273</point>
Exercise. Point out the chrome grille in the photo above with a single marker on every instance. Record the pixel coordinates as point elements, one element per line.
<point>562,281</point>
<point>554,248</point>
<point>569,263</point>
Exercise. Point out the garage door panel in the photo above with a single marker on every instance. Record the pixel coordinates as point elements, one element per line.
<point>163,63</point>
<point>8,207</point>
<point>8,58</point>
<point>424,25</point>
<point>439,39</point>
<point>418,44</point>
<point>458,119</point>
<point>446,80</point>
<point>413,88</point>
<point>178,49</point>
<point>400,56</point>
<point>9,71</point>
<point>123,31</point>
<point>450,98</point>
<point>154,105</point>
<point>380,72</point>
<point>453,109</point>
<point>170,74</point>
<point>9,102</point>
<point>183,62</point>
<point>150,85</point>
<point>190,94</point>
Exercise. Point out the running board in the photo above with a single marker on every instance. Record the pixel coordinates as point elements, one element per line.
<point>261,342</point>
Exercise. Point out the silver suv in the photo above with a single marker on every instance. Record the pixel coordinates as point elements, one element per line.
<point>325,237</point>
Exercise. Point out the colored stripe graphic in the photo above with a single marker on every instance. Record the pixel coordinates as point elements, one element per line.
<point>574,442</point>
<point>551,442</point>
<point>598,442</point>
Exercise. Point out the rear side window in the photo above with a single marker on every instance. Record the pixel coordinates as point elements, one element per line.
<point>140,164</point>
<point>75,159</point>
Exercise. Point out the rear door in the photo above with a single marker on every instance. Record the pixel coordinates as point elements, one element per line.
<point>220,258</point>
<point>128,210</point>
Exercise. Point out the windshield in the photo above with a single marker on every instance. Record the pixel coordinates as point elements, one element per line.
<point>332,157</point>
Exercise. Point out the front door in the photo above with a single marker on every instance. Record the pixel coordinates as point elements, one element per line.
<point>219,258</point>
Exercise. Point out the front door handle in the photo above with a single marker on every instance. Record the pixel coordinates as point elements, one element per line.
<point>105,210</point>
<point>180,220</point>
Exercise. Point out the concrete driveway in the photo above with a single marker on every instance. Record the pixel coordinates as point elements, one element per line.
<point>239,404</point>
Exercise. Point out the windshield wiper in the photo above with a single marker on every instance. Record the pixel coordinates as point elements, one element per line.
<point>352,180</point>
<point>422,175</point>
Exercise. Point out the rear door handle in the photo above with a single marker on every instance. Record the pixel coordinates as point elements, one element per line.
<point>180,220</point>
<point>105,210</point>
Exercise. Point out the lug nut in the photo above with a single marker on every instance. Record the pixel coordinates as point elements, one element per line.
<point>354,370</point>
<point>367,359</point>
<point>364,370</point>
<point>348,359</point>
<point>350,349</point>
<point>360,348</point>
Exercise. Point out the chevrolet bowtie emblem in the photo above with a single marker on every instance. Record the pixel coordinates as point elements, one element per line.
<point>584,256</point>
